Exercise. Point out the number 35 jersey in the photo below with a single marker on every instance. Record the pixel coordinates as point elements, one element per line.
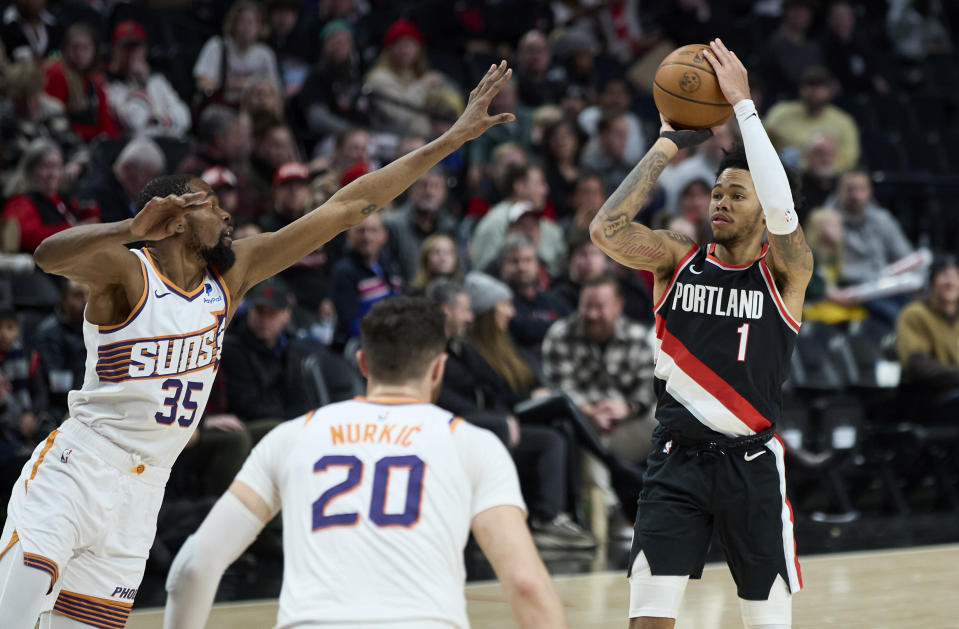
<point>377,501</point>
<point>724,338</point>
<point>148,379</point>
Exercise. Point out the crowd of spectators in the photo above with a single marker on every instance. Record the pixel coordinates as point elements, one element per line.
<point>278,104</point>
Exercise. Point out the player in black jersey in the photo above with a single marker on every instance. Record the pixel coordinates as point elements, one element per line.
<point>727,314</point>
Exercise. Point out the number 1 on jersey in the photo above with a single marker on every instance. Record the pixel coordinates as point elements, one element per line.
<point>743,332</point>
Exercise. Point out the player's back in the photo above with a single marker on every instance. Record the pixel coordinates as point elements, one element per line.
<point>377,501</point>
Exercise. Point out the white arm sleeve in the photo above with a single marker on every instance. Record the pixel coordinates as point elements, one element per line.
<point>226,532</point>
<point>769,176</point>
<point>196,571</point>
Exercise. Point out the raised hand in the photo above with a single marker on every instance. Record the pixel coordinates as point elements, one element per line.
<point>730,71</point>
<point>475,119</point>
<point>163,216</point>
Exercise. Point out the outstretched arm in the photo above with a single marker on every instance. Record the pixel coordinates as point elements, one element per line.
<point>790,258</point>
<point>633,244</point>
<point>261,256</point>
<point>502,534</point>
<point>226,532</point>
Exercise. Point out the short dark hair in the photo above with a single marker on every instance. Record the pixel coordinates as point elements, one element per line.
<point>344,135</point>
<point>163,186</point>
<point>443,290</point>
<point>515,173</point>
<point>400,336</point>
<point>735,157</point>
<point>214,120</point>
<point>603,280</point>
<point>940,263</point>
<point>607,121</point>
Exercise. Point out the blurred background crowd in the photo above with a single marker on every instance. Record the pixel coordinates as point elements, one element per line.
<point>277,104</point>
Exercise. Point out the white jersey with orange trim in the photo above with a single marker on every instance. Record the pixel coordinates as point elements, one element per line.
<point>148,379</point>
<point>377,501</point>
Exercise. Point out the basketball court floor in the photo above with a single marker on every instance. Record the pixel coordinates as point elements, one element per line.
<point>865,590</point>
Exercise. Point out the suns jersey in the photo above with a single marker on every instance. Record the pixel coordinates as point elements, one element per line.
<point>148,379</point>
<point>377,501</point>
<point>723,339</point>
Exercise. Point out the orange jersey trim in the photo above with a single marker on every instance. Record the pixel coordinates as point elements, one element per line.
<point>390,400</point>
<point>43,453</point>
<point>137,308</point>
<point>13,540</point>
<point>454,423</point>
<point>309,416</point>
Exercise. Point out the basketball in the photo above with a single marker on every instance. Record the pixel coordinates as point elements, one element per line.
<point>687,92</point>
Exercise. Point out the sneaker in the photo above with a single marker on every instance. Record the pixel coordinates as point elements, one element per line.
<point>562,532</point>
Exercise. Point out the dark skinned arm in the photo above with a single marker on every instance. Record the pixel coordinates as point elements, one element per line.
<point>264,255</point>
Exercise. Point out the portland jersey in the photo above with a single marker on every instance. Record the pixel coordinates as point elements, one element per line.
<point>723,339</point>
<point>377,501</point>
<point>148,379</point>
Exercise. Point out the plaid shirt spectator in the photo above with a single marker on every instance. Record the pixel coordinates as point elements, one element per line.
<point>589,372</point>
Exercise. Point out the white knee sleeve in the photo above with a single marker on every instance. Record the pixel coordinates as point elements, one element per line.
<point>52,620</point>
<point>775,612</point>
<point>22,590</point>
<point>654,596</point>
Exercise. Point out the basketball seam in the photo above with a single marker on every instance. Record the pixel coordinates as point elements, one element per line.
<point>690,65</point>
<point>698,102</point>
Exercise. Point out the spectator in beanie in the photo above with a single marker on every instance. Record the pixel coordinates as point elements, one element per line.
<point>400,79</point>
<point>331,99</point>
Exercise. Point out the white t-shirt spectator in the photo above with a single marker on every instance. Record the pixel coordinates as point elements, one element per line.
<point>258,60</point>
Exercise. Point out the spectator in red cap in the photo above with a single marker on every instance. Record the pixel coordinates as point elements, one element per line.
<point>292,198</point>
<point>226,63</point>
<point>224,184</point>
<point>76,81</point>
<point>400,80</point>
<point>144,101</point>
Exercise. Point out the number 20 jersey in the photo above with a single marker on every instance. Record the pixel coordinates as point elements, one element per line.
<point>148,379</point>
<point>724,338</point>
<point>377,500</point>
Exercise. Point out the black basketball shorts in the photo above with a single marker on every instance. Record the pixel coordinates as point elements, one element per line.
<point>690,489</point>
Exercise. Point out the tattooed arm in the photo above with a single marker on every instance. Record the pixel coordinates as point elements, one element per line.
<point>791,263</point>
<point>633,244</point>
<point>259,257</point>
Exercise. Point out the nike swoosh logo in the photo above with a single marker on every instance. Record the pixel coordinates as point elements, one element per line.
<point>693,270</point>
<point>158,295</point>
<point>750,457</point>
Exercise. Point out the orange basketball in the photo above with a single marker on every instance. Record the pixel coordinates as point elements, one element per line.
<point>687,92</point>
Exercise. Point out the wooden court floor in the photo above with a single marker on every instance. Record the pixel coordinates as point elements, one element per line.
<point>907,588</point>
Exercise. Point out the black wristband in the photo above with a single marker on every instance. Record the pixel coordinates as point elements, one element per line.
<point>685,139</point>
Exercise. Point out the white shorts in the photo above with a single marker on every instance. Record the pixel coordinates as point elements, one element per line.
<point>85,512</point>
